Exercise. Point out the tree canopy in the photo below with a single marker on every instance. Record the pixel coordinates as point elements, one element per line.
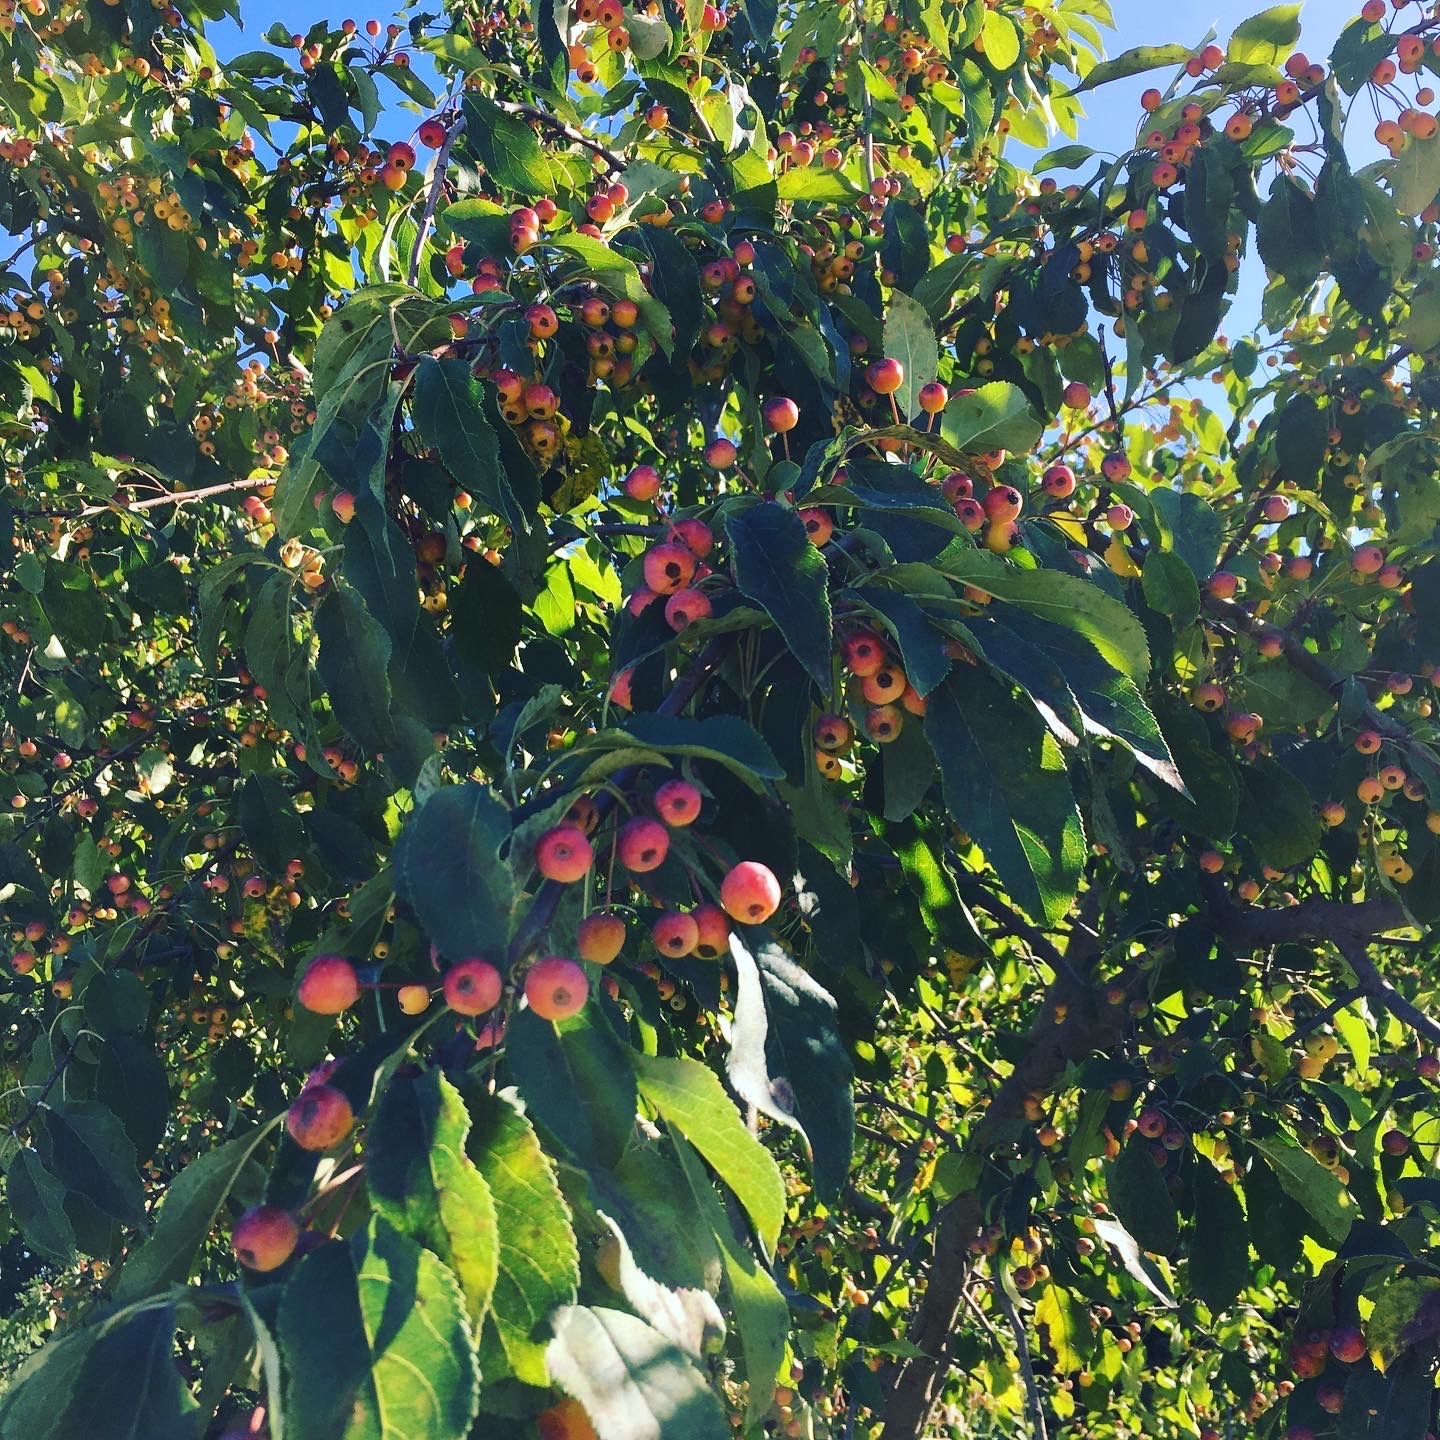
<point>687,751</point>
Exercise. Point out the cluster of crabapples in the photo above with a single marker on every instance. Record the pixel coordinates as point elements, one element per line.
<point>598,27</point>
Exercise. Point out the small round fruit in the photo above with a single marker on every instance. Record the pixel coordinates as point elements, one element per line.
<point>885,377</point>
<point>473,986</point>
<point>669,567</point>
<point>643,844</point>
<point>781,414</point>
<point>329,985</point>
<point>320,1117</point>
<point>677,802</point>
<point>713,927</point>
<point>685,607</point>
<point>265,1238</point>
<point>933,397</point>
<point>833,733</point>
<point>750,892</point>
<point>818,525</point>
<point>642,483</point>
<point>600,938</point>
<point>556,988</point>
<point>675,934</point>
<point>564,854</point>
<point>1059,482</point>
<point>1076,395</point>
<point>413,999</point>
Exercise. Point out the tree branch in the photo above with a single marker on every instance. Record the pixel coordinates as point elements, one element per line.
<point>437,184</point>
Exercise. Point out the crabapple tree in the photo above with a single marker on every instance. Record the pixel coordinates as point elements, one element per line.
<point>705,731</point>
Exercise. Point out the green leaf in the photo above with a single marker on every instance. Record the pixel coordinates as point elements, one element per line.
<point>1391,1328</point>
<point>1002,40</point>
<point>1169,586</point>
<point>910,339</point>
<point>1063,1325</point>
<point>1288,235</point>
<point>687,1095</point>
<point>448,410</point>
<point>1133,62</point>
<point>1141,1200</point>
<point>508,148</point>
<point>1005,783</point>
<point>1209,192</point>
<point>136,1086</point>
<point>37,1205</point>
<point>376,1343</point>
<point>1392,1406</point>
<point>421,1180</point>
<point>1307,1181</point>
<point>1277,815</point>
<point>921,645</point>
<point>777,567</point>
<point>1139,1267</point>
<point>788,1060</point>
<point>815,182</point>
<point>1080,605</point>
<point>1415,176</point>
<point>576,1082</point>
<point>353,665</point>
<point>617,273</point>
<point>1301,439</point>
<point>1266,38</point>
<point>447,867</point>
<point>995,416</point>
<point>632,1381</point>
<point>85,1147</point>
<point>539,1265</point>
<point>726,739</point>
<point>762,1318</point>
<point>187,1216</point>
<point>1220,1246</point>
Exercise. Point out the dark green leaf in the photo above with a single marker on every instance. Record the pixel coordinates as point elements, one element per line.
<point>1219,1249</point>
<point>1141,1201</point>
<point>1277,815</point>
<point>353,665</point>
<point>726,739</point>
<point>1307,1181</point>
<point>1288,233</point>
<point>508,148</point>
<point>86,1148</point>
<point>37,1205</point>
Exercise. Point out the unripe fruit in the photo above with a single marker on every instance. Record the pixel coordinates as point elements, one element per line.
<point>643,844</point>
<point>1370,791</point>
<point>669,567</point>
<point>886,684</point>
<point>473,986</point>
<point>677,802</point>
<point>1208,697</point>
<point>413,999</point>
<point>600,938</point>
<point>1368,742</point>
<point>320,1117</point>
<point>883,723</point>
<point>564,854</point>
<point>750,892</point>
<point>265,1238</point>
<point>342,502</point>
<point>329,985</point>
<point>556,988</point>
<point>781,414</point>
<point>675,934</point>
<point>885,377</point>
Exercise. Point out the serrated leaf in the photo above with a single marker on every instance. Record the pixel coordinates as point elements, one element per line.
<point>353,664</point>
<point>725,739</point>
<point>1288,235</point>
<point>422,1181</point>
<point>633,1383</point>
<point>995,416</point>
<point>37,1205</point>
<point>689,1096</point>
<point>539,1265</point>
<point>1005,783</point>
<point>1141,1200</point>
<point>778,568</point>
<point>1307,1181</point>
<point>787,1058</point>
<point>1139,1267</point>
<point>85,1147</point>
<point>1219,1248</point>
<point>508,148</point>
<point>910,339</point>
<point>1135,61</point>
<point>376,1343</point>
<point>1063,1325</point>
<point>447,866</point>
<point>1266,38</point>
<point>617,273</point>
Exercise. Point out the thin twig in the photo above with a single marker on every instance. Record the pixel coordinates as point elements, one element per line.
<point>437,184</point>
<point>1033,1402</point>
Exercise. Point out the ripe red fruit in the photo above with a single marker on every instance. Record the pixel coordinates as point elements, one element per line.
<point>818,525</point>
<point>1119,517</point>
<point>675,934</point>
<point>564,854</point>
<point>712,931</point>
<point>863,653</point>
<point>1075,396</point>
<point>933,397</point>
<point>1058,481</point>
<point>1367,559</point>
<point>669,567</point>
<point>750,892</point>
<point>1115,466</point>
<point>556,988</point>
<point>1002,504</point>
<point>642,483</point>
<point>833,733</point>
<point>473,986</point>
<point>721,454</point>
<point>643,844</point>
<point>1222,584</point>
<point>695,534</point>
<point>329,985</point>
<point>677,802</point>
<point>885,377</point>
<point>432,134</point>
<point>781,414</point>
<point>600,938</point>
<point>265,1238</point>
<point>320,1117</point>
<point>1347,1344</point>
<point>686,606</point>
<point>542,320</point>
